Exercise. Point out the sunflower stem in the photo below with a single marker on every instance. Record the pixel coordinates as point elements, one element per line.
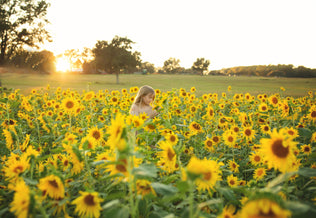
<point>191,199</point>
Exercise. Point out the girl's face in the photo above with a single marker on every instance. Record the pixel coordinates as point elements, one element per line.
<point>147,99</point>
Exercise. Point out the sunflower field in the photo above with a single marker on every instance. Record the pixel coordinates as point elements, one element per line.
<point>71,154</point>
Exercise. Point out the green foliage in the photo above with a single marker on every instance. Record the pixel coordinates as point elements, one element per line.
<point>201,65</point>
<point>279,70</point>
<point>116,56</point>
<point>172,65</point>
<point>42,61</point>
<point>21,23</point>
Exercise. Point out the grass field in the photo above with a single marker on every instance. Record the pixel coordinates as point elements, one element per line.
<point>204,84</point>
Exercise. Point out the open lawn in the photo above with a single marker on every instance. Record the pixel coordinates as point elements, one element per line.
<point>204,84</point>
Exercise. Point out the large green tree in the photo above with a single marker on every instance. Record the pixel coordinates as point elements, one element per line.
<point>201,65</point>
<point>116,56</point>
<point>172,65</point>
<point>21,23</point>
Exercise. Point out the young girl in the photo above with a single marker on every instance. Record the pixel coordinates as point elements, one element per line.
<point>141,104</point>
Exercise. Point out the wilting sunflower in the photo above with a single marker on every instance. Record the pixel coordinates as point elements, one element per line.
<point>167,157</point>
<point>144,187</point>
<point>228,212</point>
<point>259,173</point>
<point>52,186</point>
<point>88,204</point>
<point>278,151</point>
<point>21,200</point>
<point>205,172</point>
<point>263,208</point>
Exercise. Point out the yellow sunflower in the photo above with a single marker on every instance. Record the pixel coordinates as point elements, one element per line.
<point>89,95</point>
<point>229,138</point>
<point>8,138</point>
<point>249,133</point>
<point>52,186</point>
<point>313,138</point>
<point>274,100</point>
<point>69,105</point>
<point>88,204</point>
<point>172,138</point>
<point>144,187</point>
<point>209,144</point>
<point>256,158</point>
<point>312,113</point>
<point>278,151</point>
<point>195,128</point>
<point>205,173</point>
<point>306,149</point>
<point>259,173</point>
<point>96,134</point>
<point>232,181</point>
<point>233,166</point>
<point>228,212</point>
<point>15,166</point>
<point>21,200</point>
<point>167,157</point>
<point>263,107</point>
<point>265,129</point>
<point>263,208</point>
<point>116,130</point>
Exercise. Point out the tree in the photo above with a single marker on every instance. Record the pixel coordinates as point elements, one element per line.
<point>172,65</point>
<point>116,56</point>
<point>149,67</point>
<point>42,61</point>
<point>201,65</point>
<point>21,23</point>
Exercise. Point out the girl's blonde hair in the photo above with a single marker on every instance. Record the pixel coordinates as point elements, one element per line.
<point>144,90</point>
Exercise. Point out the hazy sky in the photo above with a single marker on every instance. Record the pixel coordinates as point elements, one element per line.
<point>227,32</point>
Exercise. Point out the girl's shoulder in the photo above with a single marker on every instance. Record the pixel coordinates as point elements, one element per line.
<point>134,109</point>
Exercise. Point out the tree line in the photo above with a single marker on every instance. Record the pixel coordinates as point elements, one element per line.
<point>22,24</point>
<point>280,70</point>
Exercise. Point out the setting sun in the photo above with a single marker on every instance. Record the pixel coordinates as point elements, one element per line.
<point>62,64</point>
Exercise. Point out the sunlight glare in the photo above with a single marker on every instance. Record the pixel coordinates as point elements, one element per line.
<point>62,65</point>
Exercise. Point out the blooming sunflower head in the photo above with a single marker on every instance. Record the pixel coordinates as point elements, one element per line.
<point>88,204</point>
<point>263,207</point>
<point>52,186</point>
<point>278,151</point>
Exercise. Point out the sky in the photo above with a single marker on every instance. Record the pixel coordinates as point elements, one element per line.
<point>227,32</point>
